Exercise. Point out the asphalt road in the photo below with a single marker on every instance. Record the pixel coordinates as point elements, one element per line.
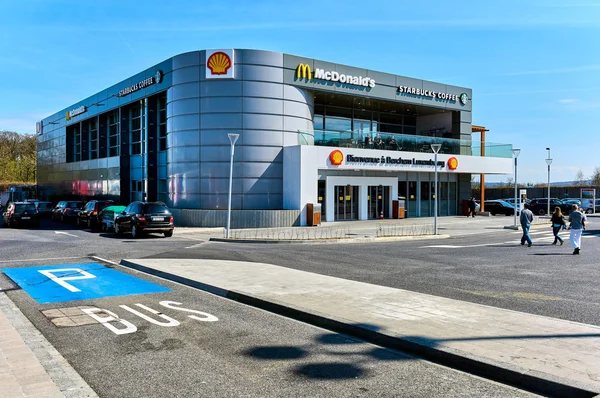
<point>490,268</point>
<point>243,351</point>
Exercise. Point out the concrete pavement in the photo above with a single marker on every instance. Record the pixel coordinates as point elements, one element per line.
<point>546,355</point>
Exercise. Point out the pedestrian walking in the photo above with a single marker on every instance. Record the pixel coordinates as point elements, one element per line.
<point>577,220</point>
<point>558,222</point>
<point>526,219</point>
<point>472,206</point>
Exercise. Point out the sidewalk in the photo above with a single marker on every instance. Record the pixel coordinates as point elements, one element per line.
<point>547,355</point>
<point>353,231</point>
<point>29,365</point>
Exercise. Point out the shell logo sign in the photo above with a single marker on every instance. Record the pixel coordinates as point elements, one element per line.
<point>219,64</point>
<point>452,163</point>
<point>336,157</point>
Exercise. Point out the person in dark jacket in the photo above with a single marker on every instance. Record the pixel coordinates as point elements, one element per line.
<point>558,222</point>
<point>472,206</point>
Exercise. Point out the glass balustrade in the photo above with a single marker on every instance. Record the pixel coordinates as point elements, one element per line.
<point>402,142</point>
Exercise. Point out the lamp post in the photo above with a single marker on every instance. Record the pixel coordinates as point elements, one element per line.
<point>516,153</point>
<point>548,162</point>
<point>232,140</point>
<point>436,149</point>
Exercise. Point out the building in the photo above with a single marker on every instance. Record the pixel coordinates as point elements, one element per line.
<point>310,131</point>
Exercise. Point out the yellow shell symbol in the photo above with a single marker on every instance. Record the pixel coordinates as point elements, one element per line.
<point>219,63</point>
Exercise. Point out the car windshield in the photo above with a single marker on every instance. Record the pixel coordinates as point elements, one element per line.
<point>74,205</point>
<point>24,207</point>
<point>155,209</point>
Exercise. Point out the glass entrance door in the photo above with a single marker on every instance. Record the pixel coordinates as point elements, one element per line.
<point>378,201</point>
<point>346,207</point>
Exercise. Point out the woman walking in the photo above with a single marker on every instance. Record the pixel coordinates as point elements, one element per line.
<point>558,222</point>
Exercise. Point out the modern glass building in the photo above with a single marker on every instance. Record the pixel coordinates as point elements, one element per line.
<point>310,131</point>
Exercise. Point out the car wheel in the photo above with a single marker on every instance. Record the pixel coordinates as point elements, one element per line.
<point>541,212</point>
<point>62,218</point>
<point>493,214</point>
<point>103,227</point>
<point>78,222</point>
<point>135,232</point>
<point>118,230</point>
<point>169,233</point>
<point>588,211</point>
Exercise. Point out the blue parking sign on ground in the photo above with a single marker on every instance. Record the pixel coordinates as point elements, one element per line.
<point>69,282</point>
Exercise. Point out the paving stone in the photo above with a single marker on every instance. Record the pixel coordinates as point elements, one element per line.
<point>63,322</point>
<point>71,311</point>
<point>83,320</point>
<point>53,313</point>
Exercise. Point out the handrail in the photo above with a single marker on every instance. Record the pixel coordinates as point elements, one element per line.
<point>402,142</point>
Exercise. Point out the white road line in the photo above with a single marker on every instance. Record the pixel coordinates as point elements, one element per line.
<point>65,233</point>
<point>42,259</point>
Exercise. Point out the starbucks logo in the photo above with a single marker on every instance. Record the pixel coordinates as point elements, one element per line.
<point>158,76</point>
<point>464,98</point>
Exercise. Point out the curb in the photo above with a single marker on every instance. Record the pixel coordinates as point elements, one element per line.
<point>332,240</point>
<point>412,345</point>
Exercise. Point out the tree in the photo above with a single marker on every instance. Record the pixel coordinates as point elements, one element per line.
<point>580,178</point>
<point>596,176</point>
<point>17,157</point>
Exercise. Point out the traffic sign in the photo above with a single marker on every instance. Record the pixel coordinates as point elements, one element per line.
<point>68,282</point>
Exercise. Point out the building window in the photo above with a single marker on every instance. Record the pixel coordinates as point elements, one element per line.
<point>93,141</point>
<point>162,190</point>
<point>113,133</point>
<point>136,120</point>
<point>74,143</point>
<point>162,122</point>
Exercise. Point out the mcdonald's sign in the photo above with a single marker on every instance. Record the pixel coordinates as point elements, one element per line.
<point>303,72</point>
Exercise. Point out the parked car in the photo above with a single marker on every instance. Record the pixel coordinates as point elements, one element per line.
<point>499,207</point>
<point>89,216</point>
<point>540,206</point>
<point>108,216</point>
<point>19,214</point>
<point>142,217</point>
<point>596,208</point>
<point>571,202</point>
<point>66,209</point>
<point>44,208</point>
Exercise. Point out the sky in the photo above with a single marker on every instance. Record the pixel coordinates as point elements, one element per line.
<point>533,65</point>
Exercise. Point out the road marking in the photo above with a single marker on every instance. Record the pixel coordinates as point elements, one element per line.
<point>61,281</point>
<point>42,259</point>
<point>112,318</point>
<point>46,284</point>
<point>65,233</point>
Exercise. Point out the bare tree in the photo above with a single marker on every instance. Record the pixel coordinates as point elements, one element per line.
<point>580,178</point>
<point>596,176</point>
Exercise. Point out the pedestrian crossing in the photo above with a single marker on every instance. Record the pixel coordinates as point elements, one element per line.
<point>537,236</point>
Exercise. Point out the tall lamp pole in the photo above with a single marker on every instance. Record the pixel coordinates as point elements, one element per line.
<point>516,153</point>
<point>232,140</point>
<point>436,149</point>
<point>548,162</point>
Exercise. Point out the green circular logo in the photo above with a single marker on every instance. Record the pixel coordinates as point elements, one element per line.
<point>464,98</point>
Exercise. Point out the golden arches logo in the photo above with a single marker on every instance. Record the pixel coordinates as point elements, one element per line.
<point>219,63</point>
<point>303,72</point>
<point>452,163</point>
<point>336,157</point>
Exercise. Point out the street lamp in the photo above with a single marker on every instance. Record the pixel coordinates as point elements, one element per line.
<point>516,153</point>
<point>436,149</point>
<point>548,162</point>
<point>232,140</point>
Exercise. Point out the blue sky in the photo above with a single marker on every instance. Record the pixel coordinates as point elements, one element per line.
<point>533,65</point>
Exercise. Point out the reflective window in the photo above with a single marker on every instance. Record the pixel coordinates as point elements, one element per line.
<point>162,122</point>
